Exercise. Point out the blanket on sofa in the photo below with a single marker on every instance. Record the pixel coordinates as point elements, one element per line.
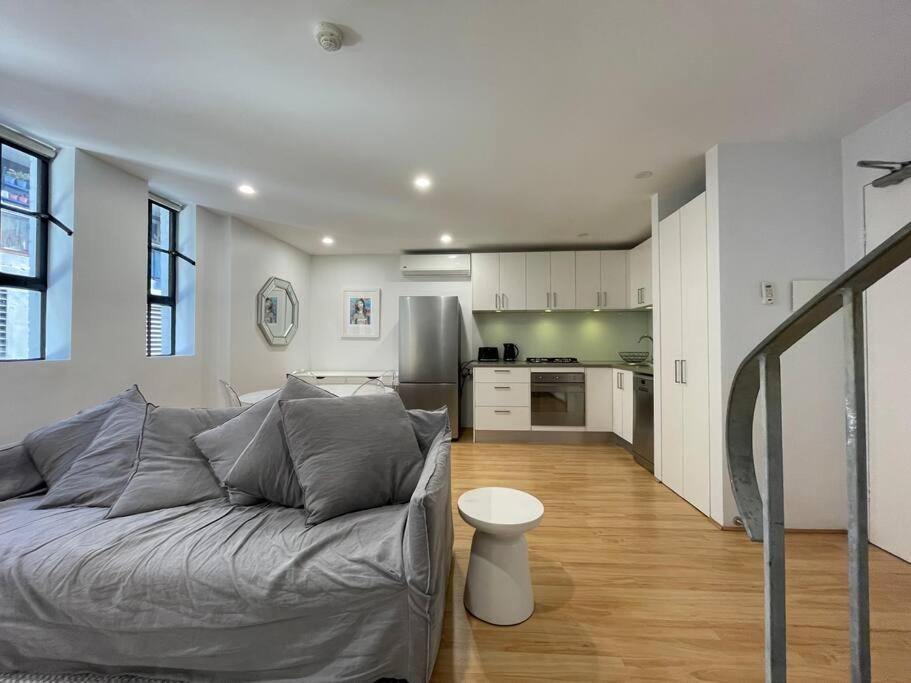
<point>214,591</point>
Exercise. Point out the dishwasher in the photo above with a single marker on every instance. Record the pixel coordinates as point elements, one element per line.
<point>643,421</point>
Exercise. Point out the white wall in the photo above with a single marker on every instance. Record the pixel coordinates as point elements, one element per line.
<point>110,221</point>
<point>254,258</point>
<point>330,275</point>
<point>107,209</point>
<point>778,213</point>
<point>888,138</point>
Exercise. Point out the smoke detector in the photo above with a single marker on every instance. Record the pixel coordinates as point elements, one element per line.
<point>329,36</point>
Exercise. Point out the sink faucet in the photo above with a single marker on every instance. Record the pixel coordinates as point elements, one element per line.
<point>645,336</point>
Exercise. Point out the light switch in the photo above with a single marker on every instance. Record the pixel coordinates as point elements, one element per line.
<point>767,291</point>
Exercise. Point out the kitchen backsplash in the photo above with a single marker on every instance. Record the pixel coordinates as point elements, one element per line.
<point>584,334</point>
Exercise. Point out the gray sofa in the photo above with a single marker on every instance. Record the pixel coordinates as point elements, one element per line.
<point>214,591</point>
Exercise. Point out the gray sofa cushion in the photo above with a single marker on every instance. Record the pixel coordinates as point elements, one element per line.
<point>97,477</point>
<point>427,424</point>
<point>54,448</point>
<point>351,453</point>
<point>264,471</point>
<point>18,476</point>
<point>169,469</point>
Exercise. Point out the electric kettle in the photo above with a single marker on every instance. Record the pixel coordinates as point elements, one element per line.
<point>510,352</point>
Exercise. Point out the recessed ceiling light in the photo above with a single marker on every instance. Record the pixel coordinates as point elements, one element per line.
<point>246,189</point>
<point>328,240</point>
<point>422,182</point>
<point>642,175</point>
<point>445,239</point>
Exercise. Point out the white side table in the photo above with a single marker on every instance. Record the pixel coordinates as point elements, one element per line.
<point>498,588</point>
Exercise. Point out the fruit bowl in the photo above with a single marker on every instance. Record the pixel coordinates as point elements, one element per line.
<point>634,357</point>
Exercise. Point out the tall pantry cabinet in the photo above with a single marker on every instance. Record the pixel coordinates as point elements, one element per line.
<point>683,308</point>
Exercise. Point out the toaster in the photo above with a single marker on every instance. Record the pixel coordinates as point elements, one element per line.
<point>488,354</point>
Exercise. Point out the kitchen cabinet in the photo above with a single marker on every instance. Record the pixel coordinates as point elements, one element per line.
<point>623,404</point>
<point>563,280</point>
<point>614,280</point>
<point>601,279</point>
<point>640,275</point>
<point>502,399</point>
<point>599,399</point>
<point>498,282</point>
<point>683,348</point>
<point>588,279</point>
<point>550,281</point>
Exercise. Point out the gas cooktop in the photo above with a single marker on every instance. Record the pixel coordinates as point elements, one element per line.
<point>553,361</point>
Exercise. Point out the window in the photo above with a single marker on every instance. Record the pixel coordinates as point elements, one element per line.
<point>23,252</point>
<point>164,250</point>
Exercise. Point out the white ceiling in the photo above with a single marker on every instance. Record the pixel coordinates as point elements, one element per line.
<point>532,116</point>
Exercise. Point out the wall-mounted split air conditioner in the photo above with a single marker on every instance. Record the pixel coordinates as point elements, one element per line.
<point>435,265</point>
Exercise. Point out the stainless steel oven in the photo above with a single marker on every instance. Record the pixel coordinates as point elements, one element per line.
<point>558,399</point>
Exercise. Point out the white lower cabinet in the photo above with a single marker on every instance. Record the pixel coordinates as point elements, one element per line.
<point>623,404</point>
<point>514,418</point>
<point>599,399</point>
<point>502,399</point>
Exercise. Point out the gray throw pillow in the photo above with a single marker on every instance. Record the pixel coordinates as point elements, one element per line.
<point>18,476</point>
<point>352,453</point>
<point>97,477</point>
<point>427,424</point>
<point>54,448</point>
<point>222,445</point>
<point>169,470</point>
<point>263,471</point>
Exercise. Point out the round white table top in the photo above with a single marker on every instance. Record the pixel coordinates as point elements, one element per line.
<point>256,396</point>
<point>499,507</point>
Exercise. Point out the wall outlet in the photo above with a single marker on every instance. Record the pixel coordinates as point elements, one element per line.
<point>767,292</point>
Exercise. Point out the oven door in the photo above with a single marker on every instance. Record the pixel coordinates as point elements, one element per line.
<point>558,404</point>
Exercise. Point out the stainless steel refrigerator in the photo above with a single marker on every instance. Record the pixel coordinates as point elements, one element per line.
<point>429,339</point>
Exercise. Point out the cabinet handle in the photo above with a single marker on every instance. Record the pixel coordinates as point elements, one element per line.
<point>683,372</point>
<point>496,298</point>
<point>604,295</point>
<point>548,300</point>
<point>503,412</point>
<point>676,372</point>
<point>495,370</point>
<point>496,387</point>
<point>555,299</point>
<point>599,299</point>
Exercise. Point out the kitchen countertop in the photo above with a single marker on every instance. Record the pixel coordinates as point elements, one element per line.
<point>618,364</point>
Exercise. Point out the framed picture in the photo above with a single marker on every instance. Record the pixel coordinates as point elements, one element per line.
<point>361,314</point>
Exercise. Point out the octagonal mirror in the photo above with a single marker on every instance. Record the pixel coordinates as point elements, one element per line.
<point>277,311</point>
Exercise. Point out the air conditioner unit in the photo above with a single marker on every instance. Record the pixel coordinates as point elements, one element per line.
<point>435,265</point>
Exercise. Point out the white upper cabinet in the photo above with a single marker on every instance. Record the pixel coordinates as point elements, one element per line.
<point>550,281</point>
<point>601,279</point>
<point>512,281</point>
<point>537,280</point>
<point>498,282</point>
<point>588,279</point>
<point>640,275</point>
<point>614,280</point>
<point>485,282</point>
<point>563,280</point>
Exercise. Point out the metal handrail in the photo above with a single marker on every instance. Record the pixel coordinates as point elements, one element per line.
<point>763,515</point>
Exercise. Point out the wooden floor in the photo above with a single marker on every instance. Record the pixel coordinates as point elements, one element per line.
<point>631,583</point>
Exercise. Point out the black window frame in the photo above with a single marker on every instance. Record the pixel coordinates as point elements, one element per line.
<point>170,299</point>
<point>37,282</point>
